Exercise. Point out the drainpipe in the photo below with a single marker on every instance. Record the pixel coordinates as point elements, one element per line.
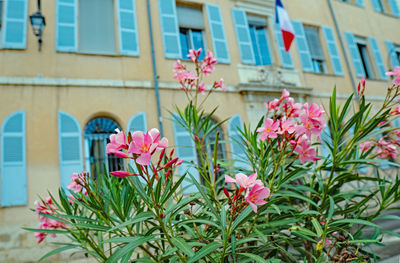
<point>343,50</point>
<point>155,77</point>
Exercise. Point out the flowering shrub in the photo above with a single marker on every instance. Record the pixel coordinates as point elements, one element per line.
<point>290,202</point>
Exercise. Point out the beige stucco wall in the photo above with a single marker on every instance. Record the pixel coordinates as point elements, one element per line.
<point>121,101</point>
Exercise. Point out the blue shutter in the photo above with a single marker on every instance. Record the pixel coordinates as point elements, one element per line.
<point>333,51</point>
<point>302,46</point>
<point>392,53</point>
<point>243,36</point>
<point>286,59</point>
<point>394,7</point>
<point>70,147</point>
<point>127,28</point>
<point>238,153</point>
<point>66,36</point>
<point>326,138</point>
<point>169,29</point>
<point>354,54</point>
<point>378,58</point>
<point>185,150</point>
<point>217,31</point>
<point>376,5</point>
<point>13,160</point>
<point>137,123</point>
<point>360,3</point>
<point>14,24</point>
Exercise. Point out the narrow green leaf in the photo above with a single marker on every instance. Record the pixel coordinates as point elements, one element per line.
<point>138,218</point>
<point>254,257</point>
<point>354,221</point>
<point>128,248</point>
<point>58,250</point>
<point>183,246</point>
<point>204,251</point>
<point>317,226</point>
<point>46,230</point>
<point>331,208</point>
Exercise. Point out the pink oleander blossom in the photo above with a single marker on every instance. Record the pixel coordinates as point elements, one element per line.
<point>207,67</point>
<point>145,144</point>
<point>305,151</point>
<point>117,142</point>
<point>194,54</point>
<point>396,74</point>
<point>255,196</point>
<point>76,184</point>
<point>386,149</point>
<point>365,146</point>
<point>287,126</point>
<point>202,88</point>
<point>285,95</point>
<point>269,130</point>
<point>121,173</point>
<point>243,180</point>
<point>220,84</point>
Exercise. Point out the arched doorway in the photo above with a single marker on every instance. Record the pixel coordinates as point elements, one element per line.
<point>97,134</point>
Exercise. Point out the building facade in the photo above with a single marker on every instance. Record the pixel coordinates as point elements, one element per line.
<point>107,64</point>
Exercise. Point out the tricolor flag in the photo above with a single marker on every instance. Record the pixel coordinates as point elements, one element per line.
<point>283,20</point>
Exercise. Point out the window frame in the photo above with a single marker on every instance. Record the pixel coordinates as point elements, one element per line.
<point>396,49</point>
<point>366,58</point>
<point>319,65</point>
<point>189,35</point>
<point>259,54</point>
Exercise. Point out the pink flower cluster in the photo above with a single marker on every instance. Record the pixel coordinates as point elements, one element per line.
<point>294,123</point>
<point>142,145</point>
<point>255,191</point>
<point>46,207</point>
<point>76,184</point>
<point>190,80</point>
<point>396,74</point>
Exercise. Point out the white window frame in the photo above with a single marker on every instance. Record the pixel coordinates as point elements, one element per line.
<point>317,63</point>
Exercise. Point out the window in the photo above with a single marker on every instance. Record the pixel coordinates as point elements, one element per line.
<point>354,2</point>
<point>97,134</point>
<point>362,48</point>
<point>259,40</point>
<point>397,53</point>
<point>1,13</point>
<point>96,26</point>
<point>315,48</point>
<point>386,6</point>
<point>191,30</point>
<point>379,6</point>
<point>88,26</point>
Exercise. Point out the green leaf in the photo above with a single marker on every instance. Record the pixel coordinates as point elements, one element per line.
<point>58,250</point>
<point>317,226</point>
<point>354,221</point>
<point>183,246</point>
<point>241,217</point>
<point>138,218</point>
<point>331,208</point>
<point>128,248</point>
<point>91,226</point>
<point>254,257</point>
<point>46,230</point>
<point>204,251</point>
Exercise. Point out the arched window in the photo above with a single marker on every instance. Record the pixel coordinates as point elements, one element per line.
<point>97,134</point>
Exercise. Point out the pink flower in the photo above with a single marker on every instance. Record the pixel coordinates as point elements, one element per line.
<point>396,111</point>
<point>202,88</point>
<point>178,66</point>
<point>306,153</point>
<point>117,142</point>
<point>185,76</point>
<point>207,67</point>
<point>396,74</point>
<point>145,145</point>
<point>269,130</point>
<point>243,181</point>
<point>272,105</point>
<point>76,184</point>
<point>220,84</point>
<point>361,87</point>
<point>287,126</point>
<point>194,54</point>
<point>40,236</point>
<point>386,150</point>
<point>285,95</point>
<point>121,173</point>
<point>365,146</point>
<point>256,195</point>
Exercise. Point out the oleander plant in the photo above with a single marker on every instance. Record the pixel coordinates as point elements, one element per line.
<point>310,189</point>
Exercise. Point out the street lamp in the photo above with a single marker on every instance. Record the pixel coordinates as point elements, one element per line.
<point>38,22</point>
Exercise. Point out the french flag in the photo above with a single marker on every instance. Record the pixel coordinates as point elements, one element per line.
<point>283,20</point>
